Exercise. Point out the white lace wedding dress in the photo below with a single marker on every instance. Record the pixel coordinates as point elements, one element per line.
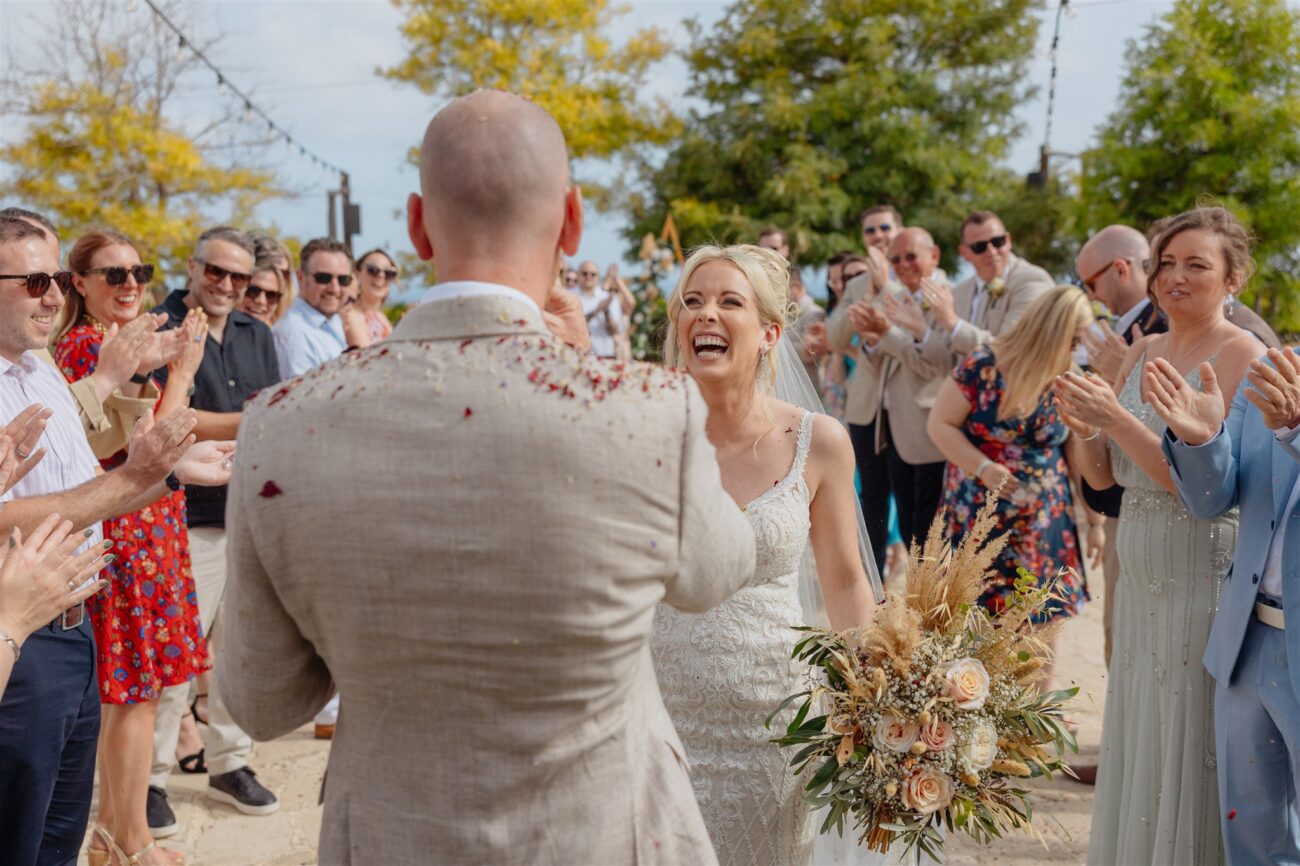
<point>723,671</point>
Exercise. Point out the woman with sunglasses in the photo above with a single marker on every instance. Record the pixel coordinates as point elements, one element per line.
<point>377,274</point>
<point>146,622</point>
<point>995,422</point>
<point>267,295</point>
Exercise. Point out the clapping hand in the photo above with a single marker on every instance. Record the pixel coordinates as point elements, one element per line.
<point>1085,400</point>
<point>879,266</point>
<point>166,346</point>
<point>186,366</point>
<point>1194,416</point>
<point>814,340</point>
<point>155,447</point>
<point>1106,351</point>
<point>903,311</point>
<point>206,463</point>
<point>44,576</point>
<point>942,306</point>
<point>123,351</point>
<point>20,437</point>
<point>1275,388</point>
<point>564,317</point>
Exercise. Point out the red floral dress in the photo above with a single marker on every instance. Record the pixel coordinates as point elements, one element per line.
<point>146,621</point>
<point>1039,517</point>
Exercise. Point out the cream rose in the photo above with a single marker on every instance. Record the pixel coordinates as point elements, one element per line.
<point>926,791</point>
<point>894,734</point>
<point>937,735</point>
<point>967,683</point>
<point>980,748</point>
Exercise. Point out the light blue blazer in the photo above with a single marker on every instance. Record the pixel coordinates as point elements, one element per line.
<point>1244,465</point>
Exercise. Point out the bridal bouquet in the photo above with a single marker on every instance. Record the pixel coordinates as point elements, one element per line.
<point>930,716</point>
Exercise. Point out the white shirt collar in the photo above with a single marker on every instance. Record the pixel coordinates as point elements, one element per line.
<point>1124,322</point>
<point>472,289</point>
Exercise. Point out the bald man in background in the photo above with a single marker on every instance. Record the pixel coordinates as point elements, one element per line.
<point>489,635</point>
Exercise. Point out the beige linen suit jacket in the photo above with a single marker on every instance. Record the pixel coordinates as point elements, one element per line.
<point>862,392</point>
<point>466,529</point>
<point>910,381</point>
<point>1024,283</point>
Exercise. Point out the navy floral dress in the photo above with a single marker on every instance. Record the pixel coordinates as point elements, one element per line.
<point>1039,517</point>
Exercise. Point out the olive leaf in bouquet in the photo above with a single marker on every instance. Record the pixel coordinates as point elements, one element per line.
<point>931,716</point>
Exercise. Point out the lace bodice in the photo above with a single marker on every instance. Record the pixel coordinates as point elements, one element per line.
<point>724,670</point>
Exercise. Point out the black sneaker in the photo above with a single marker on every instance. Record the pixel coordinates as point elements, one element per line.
<point>241,789</point>
<point>162,820</point>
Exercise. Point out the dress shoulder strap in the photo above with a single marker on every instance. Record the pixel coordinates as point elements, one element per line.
<point>803,445</point>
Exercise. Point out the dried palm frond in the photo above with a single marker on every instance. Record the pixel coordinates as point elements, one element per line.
<point>946,581</point>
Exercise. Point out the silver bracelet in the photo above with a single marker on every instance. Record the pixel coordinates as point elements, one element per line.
<point>979,470</point>
<point>13,645</point>
<point>1089,438</point>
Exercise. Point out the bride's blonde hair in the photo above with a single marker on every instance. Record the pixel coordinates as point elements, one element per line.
<point>768,274</point>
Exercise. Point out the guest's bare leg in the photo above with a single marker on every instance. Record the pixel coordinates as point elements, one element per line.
<point>126,751</point>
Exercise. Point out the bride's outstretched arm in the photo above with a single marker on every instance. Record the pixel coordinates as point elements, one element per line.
<point>834,535</point>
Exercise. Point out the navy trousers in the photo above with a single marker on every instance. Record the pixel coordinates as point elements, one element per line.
<point>49,725</point>
<point>873,475</point>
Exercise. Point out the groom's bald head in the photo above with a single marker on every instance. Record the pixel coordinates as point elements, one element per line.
<point>493,169</point>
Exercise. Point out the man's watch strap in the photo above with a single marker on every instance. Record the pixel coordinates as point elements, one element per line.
<point>140,380</point>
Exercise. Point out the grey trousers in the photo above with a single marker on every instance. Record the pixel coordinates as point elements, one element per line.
<point>225,745</point>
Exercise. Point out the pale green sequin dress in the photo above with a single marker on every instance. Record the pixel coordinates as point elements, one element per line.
<point>1157,797</point>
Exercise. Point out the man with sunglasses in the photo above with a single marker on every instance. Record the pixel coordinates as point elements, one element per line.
<point>49,717</point>
<point>880,224</point>
<point>238,361</point>
<point>311,332</point>
<point>988,303</point>
<point>892,332</point>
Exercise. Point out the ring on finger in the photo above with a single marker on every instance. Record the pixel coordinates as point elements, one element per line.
<point>22,455</point>
<point>72,584</point>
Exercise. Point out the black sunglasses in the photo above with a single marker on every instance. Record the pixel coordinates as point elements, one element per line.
<point>847,276</point>
<point>116,276</point>
<point>375,270</point>
<point>324,279</point>
<point>883,227</point>
<point>979,247</point>
<point>38,284</point>
<point>253,292</point>
<point>589,273</point>
<point>216,274</point>
<point>910,257</point>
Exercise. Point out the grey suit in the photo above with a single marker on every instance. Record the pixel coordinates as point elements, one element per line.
<point>467,529</point>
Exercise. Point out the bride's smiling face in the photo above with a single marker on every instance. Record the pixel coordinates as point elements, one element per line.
<point>720,331</point>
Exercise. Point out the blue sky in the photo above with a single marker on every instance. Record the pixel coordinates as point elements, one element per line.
<point>310,64</point>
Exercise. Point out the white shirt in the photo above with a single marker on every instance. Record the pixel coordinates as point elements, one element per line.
<point>980,296</point>
<point>68,460</point>
<point>602,337</point>
<point>1270,582</point>
<point>474,289</point>
<point>1125,322</point>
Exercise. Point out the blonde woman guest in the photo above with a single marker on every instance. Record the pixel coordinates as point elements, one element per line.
<point>791,472</point>
<point>377,274</point>
<point>267,295</point>
<point>1157,800</point>
<point>146,623</point>
<point>276,254</point>
<point>995,422</point>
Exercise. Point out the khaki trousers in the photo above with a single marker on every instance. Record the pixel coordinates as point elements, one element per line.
<point>1110,562</point>
<point>225,745</point>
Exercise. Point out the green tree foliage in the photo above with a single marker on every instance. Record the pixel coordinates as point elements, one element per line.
<point>100,146</point>
<point>813,109</point>
<point>1210,107</point>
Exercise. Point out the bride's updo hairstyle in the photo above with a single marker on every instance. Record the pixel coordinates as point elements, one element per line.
<point>768,274</point>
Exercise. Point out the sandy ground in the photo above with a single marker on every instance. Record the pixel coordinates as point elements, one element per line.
<point>213,834</point>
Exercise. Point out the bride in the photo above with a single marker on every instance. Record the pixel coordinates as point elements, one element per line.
<point>791,471</point>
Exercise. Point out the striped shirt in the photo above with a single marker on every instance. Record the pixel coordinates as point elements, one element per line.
<point>68,460</point>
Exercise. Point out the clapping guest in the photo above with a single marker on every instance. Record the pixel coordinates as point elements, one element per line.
<point>841,268</point>
<point>995,421</point>
<point>880,224</point>
<point>602,308</point>
<point>311,333</point>
<point>376,274</point>
<point>146,623</point>
<point>1157,799</point>
<point>236,360</point>
<point>276,254</point>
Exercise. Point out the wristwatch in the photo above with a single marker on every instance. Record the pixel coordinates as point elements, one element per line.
<point>173,483</point>
<point>140,380</point>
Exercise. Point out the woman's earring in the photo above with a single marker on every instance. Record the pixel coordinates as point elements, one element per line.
<point>1229,304</point>
<point>762,361</point>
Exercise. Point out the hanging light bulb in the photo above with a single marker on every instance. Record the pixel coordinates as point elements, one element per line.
<point>248,111</point>
<point>270,132</point>
<point>180,48</point>
<point>221,85</point>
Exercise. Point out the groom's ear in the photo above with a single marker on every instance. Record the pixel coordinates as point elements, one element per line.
<point>571,232</point>
<point>415,227</point>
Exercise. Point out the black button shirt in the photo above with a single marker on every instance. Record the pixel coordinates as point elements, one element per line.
<point>232,370</point>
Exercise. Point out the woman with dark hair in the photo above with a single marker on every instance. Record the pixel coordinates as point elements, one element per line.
<point>146,622</point>
<point>1157,797</point>
<point>376,274</point>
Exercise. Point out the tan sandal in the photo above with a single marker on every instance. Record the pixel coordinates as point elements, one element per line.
<point>96,856</point>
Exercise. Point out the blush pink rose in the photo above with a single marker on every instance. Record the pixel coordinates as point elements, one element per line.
<point>894,734</point>
<point>926,791</point>
<point>967,683</point>
<point>937,735</point>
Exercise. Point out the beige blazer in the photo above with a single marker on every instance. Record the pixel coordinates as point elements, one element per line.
<point>466,529</point>
<point>907,381</point>
<point>1024,283</point>
<point>862,392</point>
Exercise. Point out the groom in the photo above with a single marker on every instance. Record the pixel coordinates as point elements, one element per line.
<point>465,530</point>
<point>1251,462</point>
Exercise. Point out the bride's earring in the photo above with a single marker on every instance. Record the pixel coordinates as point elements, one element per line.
<point>762,362</point>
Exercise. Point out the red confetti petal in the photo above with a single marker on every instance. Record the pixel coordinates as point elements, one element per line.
<point>464,343</point>
<point>269,489</point>
<point>1232,813</point>
<point>469,412</point>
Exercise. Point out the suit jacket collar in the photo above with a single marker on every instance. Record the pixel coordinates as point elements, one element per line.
<point>470,316</point>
